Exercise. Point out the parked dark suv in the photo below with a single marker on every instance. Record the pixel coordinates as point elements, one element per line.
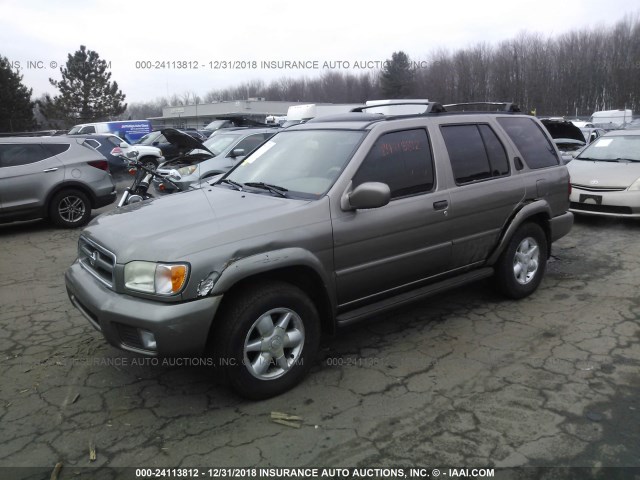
<point>327,223</point>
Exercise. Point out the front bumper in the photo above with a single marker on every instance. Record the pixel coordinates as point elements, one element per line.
<point>180,329</point>
<point>609,204</point>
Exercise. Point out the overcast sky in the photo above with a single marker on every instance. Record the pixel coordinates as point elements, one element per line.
<point>208,33</point>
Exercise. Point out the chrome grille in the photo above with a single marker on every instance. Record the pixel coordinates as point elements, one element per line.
<point>592,188</point>
<point>97,260</point>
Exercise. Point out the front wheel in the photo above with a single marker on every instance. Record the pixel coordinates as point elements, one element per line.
<point>70,209</point>
<point>150,162</point>
<point>521,266</point>
<point>266,339</point>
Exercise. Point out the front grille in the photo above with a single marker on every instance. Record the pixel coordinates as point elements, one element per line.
<point>97,260</point>
<point>129,335</point>
<point>591,188</point>
<point>592,207</point>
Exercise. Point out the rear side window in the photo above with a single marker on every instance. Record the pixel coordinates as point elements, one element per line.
<point>402,160</point>
<point>13,155</point>
<point>475,152</point>
<point>55,148</point>
<point>534,146</point>
<point>92,143</point>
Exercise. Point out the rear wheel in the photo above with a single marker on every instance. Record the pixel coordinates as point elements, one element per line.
<point>70,209</point>
<point>521,266</point>
<point>267,339</point>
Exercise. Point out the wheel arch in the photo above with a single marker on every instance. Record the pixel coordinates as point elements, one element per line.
<point>295,266</point>
<point>538,212</point>
<point>69,185</point>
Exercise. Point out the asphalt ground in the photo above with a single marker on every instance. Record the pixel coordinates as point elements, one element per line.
<point>467,379</point>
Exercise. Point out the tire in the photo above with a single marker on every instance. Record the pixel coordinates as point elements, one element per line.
<point>521,266</point>
<point>267,321</point>
<point>149,162</point>
<point>70,209</point>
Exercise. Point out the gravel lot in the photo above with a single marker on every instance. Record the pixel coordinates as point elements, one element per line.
<point>466,380</point>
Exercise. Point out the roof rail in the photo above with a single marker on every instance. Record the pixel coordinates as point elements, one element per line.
<point>431,107</point>
<point>488,107</point>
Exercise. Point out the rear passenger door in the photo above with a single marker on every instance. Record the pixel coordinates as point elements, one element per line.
<point>381,250</point>
<point>484,194</point>
<point>27,173</point>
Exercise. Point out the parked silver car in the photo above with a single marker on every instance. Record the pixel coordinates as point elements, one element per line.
<point>57,178</point>
<point>218,154</point>
<point>605,177</point>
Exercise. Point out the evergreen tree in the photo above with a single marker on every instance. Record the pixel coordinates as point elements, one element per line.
<point>16,107</point>
<point>398,77</point>
<point>86,92</point>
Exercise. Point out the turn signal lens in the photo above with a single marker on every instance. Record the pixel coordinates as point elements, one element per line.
<point>170,278</point>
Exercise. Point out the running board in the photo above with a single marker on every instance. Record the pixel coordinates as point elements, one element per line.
<point>353,316</point>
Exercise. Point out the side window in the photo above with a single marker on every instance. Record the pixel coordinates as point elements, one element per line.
<point>13,155</point>
<point>55,148</point>
<point>92,143</point>
<point>402,160</point>
<point>250,143</point>
<point>115,141</point>
<point>467,154</point>
<point>90,129</point>
<point>534,146</point>
<point>495,151</point>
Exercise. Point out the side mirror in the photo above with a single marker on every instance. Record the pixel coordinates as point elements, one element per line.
<point>367,195</point>
<point>124,145</point>
<point>237,152</point>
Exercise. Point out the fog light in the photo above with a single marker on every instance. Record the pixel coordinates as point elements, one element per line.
<point>148,339</point>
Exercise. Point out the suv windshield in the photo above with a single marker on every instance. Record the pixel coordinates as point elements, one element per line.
<point>623,147</point>
<point>304,162</point>
<point>219,143</point>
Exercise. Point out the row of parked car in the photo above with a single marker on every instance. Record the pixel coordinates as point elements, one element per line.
<point>59,178</point>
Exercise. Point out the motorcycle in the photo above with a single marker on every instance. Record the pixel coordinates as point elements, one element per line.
<point>143,174</point>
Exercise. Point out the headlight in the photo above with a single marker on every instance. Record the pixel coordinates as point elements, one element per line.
<point>635,186</point>
<point>184,171</point>
<point>155,278</point>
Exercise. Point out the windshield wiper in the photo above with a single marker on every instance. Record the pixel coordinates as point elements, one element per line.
<point>236,185</point>
<point>267,186</point>
<point>597,159</point>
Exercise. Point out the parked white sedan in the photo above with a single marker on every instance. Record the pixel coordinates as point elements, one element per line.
<point>605,176</point>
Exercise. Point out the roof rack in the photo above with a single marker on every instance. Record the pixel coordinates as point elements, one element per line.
<point>478,107</point>
<point>431,107</point>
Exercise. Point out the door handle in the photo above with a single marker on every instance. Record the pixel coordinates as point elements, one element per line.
<point>441,205</point>
<point>50,169</point>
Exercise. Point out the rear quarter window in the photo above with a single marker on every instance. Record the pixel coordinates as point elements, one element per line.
<point>55,148</point>
<point>534,146</point>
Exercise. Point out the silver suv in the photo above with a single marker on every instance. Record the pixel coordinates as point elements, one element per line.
<point>57,178</point>
<point>327,223</point>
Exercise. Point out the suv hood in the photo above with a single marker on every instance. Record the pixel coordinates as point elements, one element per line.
<point>172,227</point>
<point>182,140</point>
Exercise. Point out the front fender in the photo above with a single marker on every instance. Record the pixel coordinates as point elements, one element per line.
<point>239,269</point>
